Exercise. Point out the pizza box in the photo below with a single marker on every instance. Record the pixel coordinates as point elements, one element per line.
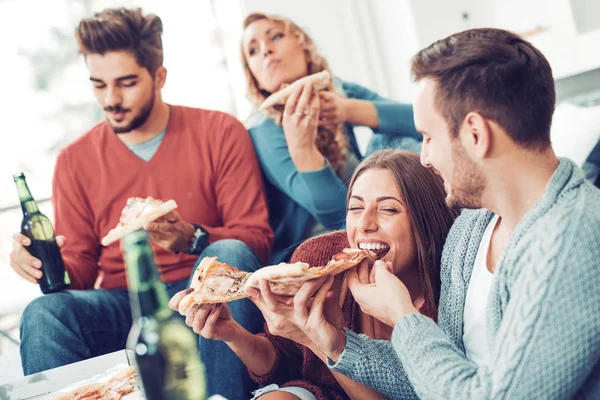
<point>49,384</point>
<point>46,385</point>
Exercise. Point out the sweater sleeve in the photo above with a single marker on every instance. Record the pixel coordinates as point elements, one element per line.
<point>74,220</point>
<point>373,364</point>
<point>240,193</point>
<point>288,361</point>
<point>321,192</point>
<point>547,342</point>
<point>393,117</point>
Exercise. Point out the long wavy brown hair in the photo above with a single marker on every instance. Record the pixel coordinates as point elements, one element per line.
<point>331,139</point>
<point>423,193</point>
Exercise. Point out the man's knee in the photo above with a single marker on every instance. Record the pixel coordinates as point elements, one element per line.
<point>46,312</point>
<point>233,252</point>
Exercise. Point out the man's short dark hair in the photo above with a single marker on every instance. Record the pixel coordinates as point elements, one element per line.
<point>122,29</point>
<point>495,73</point>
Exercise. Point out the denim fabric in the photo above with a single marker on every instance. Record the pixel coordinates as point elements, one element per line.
<point>70,326</point>
<point>380,141</point>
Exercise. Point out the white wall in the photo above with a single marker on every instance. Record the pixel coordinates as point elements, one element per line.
<point>568,52</point>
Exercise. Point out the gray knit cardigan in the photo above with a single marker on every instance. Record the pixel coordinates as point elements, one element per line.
<point>543,321</point>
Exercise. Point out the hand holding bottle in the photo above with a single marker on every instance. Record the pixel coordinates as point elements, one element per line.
<point>21,260</point>
<point>41,262</point>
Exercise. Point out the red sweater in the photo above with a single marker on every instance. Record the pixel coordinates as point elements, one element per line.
<point>205,162</point>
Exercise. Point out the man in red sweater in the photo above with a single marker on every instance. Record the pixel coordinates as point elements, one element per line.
<point>204,160</point>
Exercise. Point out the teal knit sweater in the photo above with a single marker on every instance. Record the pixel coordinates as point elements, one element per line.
<point>543,321</point>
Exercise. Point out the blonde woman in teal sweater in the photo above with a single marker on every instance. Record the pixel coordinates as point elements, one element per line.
<point>307,149</point>
<point>519,314</point>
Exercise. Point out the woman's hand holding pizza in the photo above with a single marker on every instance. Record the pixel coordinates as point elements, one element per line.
<point>211,321</point>
<point>171,232</point>
<point>278,313</point>
<point>300,118</point>
<point>320,317</point>
<point>312,317</point>
<point>332,108</point>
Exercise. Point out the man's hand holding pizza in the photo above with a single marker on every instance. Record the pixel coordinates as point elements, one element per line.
<point>171,232</point>
<point>382,295</point>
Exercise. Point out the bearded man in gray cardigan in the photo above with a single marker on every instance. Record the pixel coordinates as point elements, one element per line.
<point>519,312</point>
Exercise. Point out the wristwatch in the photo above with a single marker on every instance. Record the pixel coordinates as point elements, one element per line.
<point>199,241</point>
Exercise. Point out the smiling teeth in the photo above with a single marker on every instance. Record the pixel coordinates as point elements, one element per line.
<point>373,246</point>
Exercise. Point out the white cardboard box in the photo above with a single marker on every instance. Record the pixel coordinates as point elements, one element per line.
<point>44,385</point>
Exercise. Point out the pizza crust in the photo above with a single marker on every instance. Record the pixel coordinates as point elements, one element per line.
<point>320,81</point>
<point>122,230</point>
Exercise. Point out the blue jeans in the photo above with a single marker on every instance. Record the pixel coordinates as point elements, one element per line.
<point>74,325</point>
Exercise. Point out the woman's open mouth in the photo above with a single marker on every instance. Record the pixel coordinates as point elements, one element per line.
<point>379,248</point>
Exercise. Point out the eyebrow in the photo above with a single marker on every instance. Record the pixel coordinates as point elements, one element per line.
<point>121,78</point>
<point>378,199</point>
<point>266,34</point>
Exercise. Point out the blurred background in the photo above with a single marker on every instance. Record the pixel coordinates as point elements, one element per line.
<point>47,100</point>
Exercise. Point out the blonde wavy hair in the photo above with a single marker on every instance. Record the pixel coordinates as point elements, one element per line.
<point>331,139</point>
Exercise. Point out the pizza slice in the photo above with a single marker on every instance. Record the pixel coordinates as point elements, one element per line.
<point>285,279</point>
<point>217,282</point>
<point>320,81</point>
<point>136,213</point>
<point>214,282</point>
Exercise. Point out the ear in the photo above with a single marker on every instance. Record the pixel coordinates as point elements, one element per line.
<point>160,77</point>
<point>476,135</point>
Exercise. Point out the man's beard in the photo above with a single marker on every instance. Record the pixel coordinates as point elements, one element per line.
<point>468,182</point>
<point>139,119</point>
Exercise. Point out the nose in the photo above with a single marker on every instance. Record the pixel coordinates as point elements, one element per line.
<point>425,155</point>
<point>266,48</point>
<point>367,222</point>
<point>112,97</point>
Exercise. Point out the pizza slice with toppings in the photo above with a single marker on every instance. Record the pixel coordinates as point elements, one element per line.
<point>217,282</point>
<point>214,282</point>
<point>114,384</point>
<point>138,212</point>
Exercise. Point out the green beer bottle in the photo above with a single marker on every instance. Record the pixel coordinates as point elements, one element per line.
<point>166,350</point>
<point>37,227</point>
